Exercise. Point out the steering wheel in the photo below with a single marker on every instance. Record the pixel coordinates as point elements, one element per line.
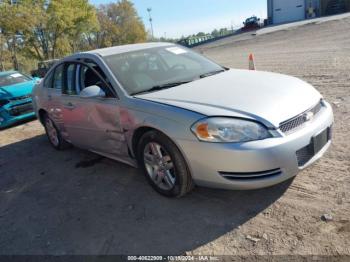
<point>178,66</point>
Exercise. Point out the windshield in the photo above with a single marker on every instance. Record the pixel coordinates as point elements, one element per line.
<point>140,71</point>
<point>12,79</point>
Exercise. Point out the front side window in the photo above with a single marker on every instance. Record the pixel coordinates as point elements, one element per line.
<point>87,77</point>
<point>13,78</point>
<point>70,87</point>
<point>139,71</point>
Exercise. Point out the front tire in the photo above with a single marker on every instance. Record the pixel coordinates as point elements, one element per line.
<point>163,165</point>
<point>54,135</point>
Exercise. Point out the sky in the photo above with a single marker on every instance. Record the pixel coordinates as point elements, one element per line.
<point>176,18</point>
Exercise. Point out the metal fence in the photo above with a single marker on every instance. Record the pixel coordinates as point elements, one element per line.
<point>199,40</point>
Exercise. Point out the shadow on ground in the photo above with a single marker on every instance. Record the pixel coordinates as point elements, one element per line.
<point>75,202</point>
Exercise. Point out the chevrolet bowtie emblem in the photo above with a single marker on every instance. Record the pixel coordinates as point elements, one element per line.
<point>308,116</point>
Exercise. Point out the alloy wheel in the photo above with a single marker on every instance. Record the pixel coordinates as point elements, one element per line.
<point>52,132</point>
<point>159,166</point>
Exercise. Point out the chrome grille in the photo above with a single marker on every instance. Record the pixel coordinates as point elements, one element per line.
<point>291,124</point>
<point>304,155</point>
<point>21,109</point>
<point>251,175</point>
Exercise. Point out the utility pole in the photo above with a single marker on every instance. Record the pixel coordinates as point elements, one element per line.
<point>150,21</point>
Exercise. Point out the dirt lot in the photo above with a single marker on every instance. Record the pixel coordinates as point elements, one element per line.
<point>75,202</point>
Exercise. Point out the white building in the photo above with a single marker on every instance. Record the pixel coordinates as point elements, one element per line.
<point>284,11</point>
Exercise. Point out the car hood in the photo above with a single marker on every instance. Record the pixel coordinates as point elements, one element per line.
<point>17,90</point>
<point>267,97</point>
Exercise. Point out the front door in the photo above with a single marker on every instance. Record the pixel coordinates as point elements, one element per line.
<point>91,123</point>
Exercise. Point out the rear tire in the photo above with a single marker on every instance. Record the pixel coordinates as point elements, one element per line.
<point>54,135</point>
<point>163,164</point>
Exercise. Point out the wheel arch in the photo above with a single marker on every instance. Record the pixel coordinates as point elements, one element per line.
<point>140,131</point>
<point>189,183</point>
<point>137,134</point>
<point>42,113</point>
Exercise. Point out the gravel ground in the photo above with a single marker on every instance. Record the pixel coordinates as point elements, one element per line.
<point>75,202</point>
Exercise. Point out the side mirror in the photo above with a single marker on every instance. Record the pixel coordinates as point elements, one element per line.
<point>92,92</point>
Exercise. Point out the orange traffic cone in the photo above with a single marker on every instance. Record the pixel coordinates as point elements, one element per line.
<point>251,62</point>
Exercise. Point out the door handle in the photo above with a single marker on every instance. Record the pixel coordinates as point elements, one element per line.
<point>69,106</point>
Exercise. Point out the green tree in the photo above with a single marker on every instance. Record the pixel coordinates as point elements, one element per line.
<point>65,24</point>
<point>119,24</point>
<point>200,34</point>
<point>223,31</point>
<point>46,29</point>
<point>215,33</point>
<point>36,30</point>
<point>12,22</point>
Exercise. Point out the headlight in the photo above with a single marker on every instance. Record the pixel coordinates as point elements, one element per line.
<point>229,130</point>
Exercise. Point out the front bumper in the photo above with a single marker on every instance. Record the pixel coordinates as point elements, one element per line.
<point>15,112</point>
<point>212,163</point>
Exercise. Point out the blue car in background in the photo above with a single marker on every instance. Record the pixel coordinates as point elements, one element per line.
<point>15,97</point>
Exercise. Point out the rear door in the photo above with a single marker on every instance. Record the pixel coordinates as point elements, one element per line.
<point>91,123</point>
<point>288,11</point>
<point>52,93</point>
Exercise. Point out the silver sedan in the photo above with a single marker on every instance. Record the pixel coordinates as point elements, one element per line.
<point>182,118</point>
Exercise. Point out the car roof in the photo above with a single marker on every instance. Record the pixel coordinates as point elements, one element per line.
<point>126,48</point>
<point>7,72</point>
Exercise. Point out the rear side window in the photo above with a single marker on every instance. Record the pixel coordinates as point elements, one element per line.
<point>70,88</point>
<point>58,77</point>
<point>48,80</point>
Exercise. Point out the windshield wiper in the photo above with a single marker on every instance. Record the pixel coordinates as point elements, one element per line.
<point>161,87</point>
<point>212,73</point>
